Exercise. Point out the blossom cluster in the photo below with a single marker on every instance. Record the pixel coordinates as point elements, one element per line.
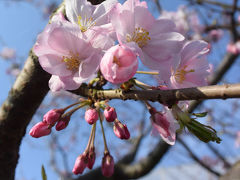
<point>112,38</point>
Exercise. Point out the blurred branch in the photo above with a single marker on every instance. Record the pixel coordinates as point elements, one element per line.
<point>215,3</point>
<point>159,7</point>
<point>233,173</point>
<point>136,170</point>
<point>212,148</point>
<point>195,158</point>
<point>55,142</point>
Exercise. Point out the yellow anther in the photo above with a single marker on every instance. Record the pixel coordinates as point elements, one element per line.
<point>116,61</point>
<point>85,23</point>
<point>72,62</point>
<point>180,74</point>
<point>140,36</point>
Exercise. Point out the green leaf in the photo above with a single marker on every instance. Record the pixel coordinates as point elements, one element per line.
<point>203,114</point>
<point>44,176</point>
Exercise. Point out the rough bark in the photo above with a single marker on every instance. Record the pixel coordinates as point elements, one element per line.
<point>27,93</point>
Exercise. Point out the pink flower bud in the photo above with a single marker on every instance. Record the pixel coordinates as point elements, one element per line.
<point>40,129</point>
<point>107,165</point>
<point>91,158</point>
<point>121,130</point>
<point>52,116</point>
<point>80,164</point>
<point>62,123</point>
<point>110,114</point>
<point>119,64</point>
<point>91,116</point>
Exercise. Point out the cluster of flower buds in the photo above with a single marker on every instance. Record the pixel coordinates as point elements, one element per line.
<point>119,129</point>
<point>87,159</point>
<point>49,120</point>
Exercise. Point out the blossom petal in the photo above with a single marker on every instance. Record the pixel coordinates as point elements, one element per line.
<point>53,65</point>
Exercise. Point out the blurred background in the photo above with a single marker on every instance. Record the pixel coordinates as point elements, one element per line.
<point>214,21</point>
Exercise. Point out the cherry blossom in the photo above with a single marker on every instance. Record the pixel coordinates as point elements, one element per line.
<point>155,41</point>
<point>119,64</point>
<point>189,69</point>
<point>67,54</point>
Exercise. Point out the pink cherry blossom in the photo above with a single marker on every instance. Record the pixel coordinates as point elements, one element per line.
<point>40,129</point>
<point>234,48</point>
<point>86,15</point>
<point>52,116</point>
<point>119,64</point>
<point>8,53</point>
<point>189,69</point>
<point>80,164</point>
<point>107,165</point>
<point>67,54</point>
<point>91,116</point>
<point>110,114</point>
<point>237,140</point>
<point>179,17</point>
<point>215,34</point>
<point>154,40</point>
<point>62,123</point>
<point>121,130</point>
<point>91,158</point>
<point>164,124</point>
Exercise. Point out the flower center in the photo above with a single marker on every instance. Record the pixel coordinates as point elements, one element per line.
<point>180,74</point>
<point>85,23</point>
<point>140,36</point>
<point>116,61</point>
<point>72,62</point>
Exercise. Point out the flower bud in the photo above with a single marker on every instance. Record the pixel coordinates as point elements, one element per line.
<point>62,123</point>
<point>121,130</point>
<point>52,116</point>
<point>110,114</point>
<point>40,129</point>
<point>91,158</point>
<point>80,164</point>
<point>107,165</point>
<point>91,116</point>
<point>119,64</point>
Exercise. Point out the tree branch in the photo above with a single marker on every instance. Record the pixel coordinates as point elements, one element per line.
<point>194,157</point>
<point>165,96</point>
<point>16,112</point>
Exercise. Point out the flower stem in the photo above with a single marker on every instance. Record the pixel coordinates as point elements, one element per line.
<point>69,113</point>
<point>71,105</point>
<point>91,137</point>
<point>142,85</point>
<point>104,138</point>
<point>147,72</point>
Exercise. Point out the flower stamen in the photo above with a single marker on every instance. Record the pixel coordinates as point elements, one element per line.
<point>85,23</point>
<point>72,62</point>
<point>140,36</point>
<point>180,74</point>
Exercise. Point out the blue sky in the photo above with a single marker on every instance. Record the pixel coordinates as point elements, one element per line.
<point>20,24</point>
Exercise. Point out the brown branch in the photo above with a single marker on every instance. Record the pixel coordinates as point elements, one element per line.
<point>195,158</point>
<point>165,96</point>
<point>233,173</point>
<point>16,112</point>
